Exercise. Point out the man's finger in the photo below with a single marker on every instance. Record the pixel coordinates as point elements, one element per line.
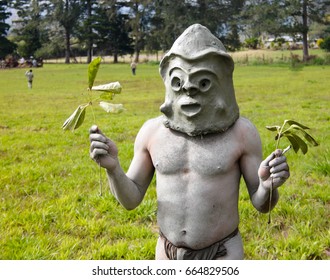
<point>94,129</point>
<point>279,167</point>
<point>98,152</point>
<point>99,145</point>
<point>277,161</point>
<point>97,137</point>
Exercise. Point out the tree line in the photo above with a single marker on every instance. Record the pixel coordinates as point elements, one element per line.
<point>57,28</point>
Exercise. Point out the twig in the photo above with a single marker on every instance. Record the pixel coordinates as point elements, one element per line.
<point>270,202</point>
<point>271,189</point>
<point>100,179</point>
<point>286,149</point>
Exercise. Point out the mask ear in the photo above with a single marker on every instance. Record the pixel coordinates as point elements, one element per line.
<point>166,109</point>
<point>163,68</point>
<point>229,64</point>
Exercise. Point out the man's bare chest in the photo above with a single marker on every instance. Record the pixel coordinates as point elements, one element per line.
<point>175,153</point>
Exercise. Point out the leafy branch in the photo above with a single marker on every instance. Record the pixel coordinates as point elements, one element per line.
<point>291,130</point>
<point>108,91</point>
<point>294,132</point>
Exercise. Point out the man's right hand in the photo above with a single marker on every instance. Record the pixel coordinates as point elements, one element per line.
<point>102,149</point>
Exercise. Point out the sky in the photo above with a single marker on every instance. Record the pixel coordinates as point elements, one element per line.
<point>13,16</point>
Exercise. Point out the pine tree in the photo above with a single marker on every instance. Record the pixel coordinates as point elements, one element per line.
<point>6,47</point>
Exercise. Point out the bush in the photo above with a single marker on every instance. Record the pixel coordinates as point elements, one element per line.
<point>319,42</point>
<point>315,60</point>
<point>295,61</point>
<point>252,43</point>
<point>325,44</point>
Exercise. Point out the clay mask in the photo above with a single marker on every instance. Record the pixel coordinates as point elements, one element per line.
<point>200,97</point>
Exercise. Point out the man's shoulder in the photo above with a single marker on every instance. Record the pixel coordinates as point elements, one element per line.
<point>151,126</point>
<point>153,123</point>
<point>247,132</point>
<point>148,131</point>
<point>244,123</point>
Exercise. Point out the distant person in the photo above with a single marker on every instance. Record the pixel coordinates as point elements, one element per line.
<point>29,76</point>
<point>133,67</point>
<point>2,63</point>
<point>21,61</point>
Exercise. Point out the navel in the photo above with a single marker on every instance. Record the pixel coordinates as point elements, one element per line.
<point>185,170</point>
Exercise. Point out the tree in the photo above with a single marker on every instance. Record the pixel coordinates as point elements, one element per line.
<point>258,16</point>
<point>301,14</point>
<point>170,19</point>
<point>167,23</point>
<point>220,17</point>
<point>67,14</point>
<point>28,27</point>
<point>231,23</point>
<point>139,13</point>
<point>6,47</point>
<point>115,26</point>
<point>325,44</point>
<point>112,30</point>
<point>279,17</point>
<point>86,32</point>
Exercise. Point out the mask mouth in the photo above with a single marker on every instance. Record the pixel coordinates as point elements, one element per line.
<point>191,109</point>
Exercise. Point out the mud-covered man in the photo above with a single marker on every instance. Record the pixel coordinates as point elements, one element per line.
<point>199,149</point>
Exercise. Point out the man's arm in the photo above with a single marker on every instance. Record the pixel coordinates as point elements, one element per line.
<point>261,176</point>
<point>129,189</point>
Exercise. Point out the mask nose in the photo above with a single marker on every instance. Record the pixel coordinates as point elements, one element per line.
<point>189,88</point>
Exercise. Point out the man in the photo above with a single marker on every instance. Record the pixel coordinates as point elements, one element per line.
<point>199,150</point>
<point>133,67</point>
<point>29,76</point>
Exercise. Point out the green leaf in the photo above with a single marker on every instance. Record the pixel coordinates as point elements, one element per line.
<point>306,135</point>
<point>76,119</point>
<point>291,122</point>
<point>114,87</point>
<point>93,67</point>
<point>80,119</point>
<point>302,145</point>
<point>106,96</point>
<point>297,143</point>
<point>294,143</point>
<point>273,128</point>
<point>112,108</point>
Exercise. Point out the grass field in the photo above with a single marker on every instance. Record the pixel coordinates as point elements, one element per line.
<point>50,202</point>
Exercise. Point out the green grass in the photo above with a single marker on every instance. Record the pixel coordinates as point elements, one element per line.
<point>50,203</point>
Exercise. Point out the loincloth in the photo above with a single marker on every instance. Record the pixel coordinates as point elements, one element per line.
<point>211,252</point>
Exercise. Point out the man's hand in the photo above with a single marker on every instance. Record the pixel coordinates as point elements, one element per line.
<point>274,170</point>
<point>102,149</point>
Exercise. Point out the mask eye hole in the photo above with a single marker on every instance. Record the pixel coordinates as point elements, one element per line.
<point>204,84</point>
<point>176,83</point>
